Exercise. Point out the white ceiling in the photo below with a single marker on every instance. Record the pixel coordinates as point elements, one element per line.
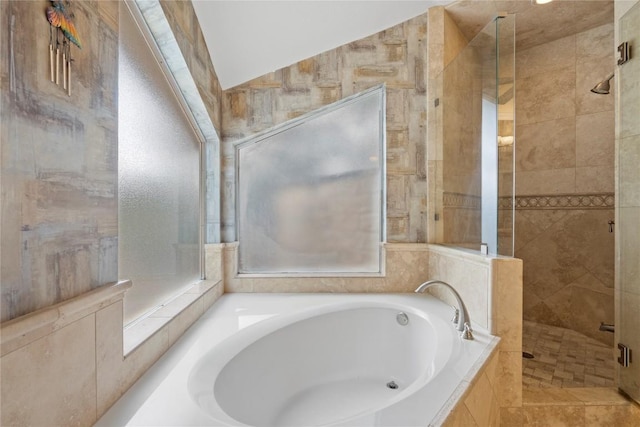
<point>247,39</point>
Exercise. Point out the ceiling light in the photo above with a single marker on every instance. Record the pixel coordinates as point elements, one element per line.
<point>541,1</point>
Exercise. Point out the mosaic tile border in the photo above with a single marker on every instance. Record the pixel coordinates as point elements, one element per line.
<point>460,200</point>
<point>544,201</point>
<point>560,201</point>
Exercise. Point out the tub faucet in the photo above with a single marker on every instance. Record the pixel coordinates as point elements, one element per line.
<point>463,319</point>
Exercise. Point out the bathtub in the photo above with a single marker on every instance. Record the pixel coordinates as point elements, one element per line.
<point>312,360</point>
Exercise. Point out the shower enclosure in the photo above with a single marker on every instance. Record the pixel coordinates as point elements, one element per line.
<point>628,208</point>
<point>475,182</point>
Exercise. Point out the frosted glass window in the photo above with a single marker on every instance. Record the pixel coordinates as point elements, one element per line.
<point>310,193</point>
<point>158,180</point>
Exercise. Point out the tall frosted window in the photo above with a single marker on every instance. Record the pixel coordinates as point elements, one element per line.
<point>158,180</point>
<point>311,192</point>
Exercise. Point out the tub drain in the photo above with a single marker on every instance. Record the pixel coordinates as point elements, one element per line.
<point>392,385</point>
<point>402,318</point>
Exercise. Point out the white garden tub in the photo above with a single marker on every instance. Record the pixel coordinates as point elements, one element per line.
<point>308,360</point>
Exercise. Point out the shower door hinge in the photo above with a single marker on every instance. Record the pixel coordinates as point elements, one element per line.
<point>625,53</point>
<point>625,355</point>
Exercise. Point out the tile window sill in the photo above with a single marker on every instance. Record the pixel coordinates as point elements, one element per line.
<point>141,330</point>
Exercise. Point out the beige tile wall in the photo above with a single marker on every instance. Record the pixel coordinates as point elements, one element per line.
<point>568,268</point>
<point>478,405</point>
<point>36,386</point>
<point>491,288</point>
<point>565,146</point>
<point>66,364</point>
<point>589,407</point>
<point>447,222</point>
<point>565,133</point>
<point>406,267</point>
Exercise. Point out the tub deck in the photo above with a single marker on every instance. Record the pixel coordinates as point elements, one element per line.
<point>161,398</point>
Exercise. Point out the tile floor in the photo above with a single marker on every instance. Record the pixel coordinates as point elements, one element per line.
<point>564,358</point>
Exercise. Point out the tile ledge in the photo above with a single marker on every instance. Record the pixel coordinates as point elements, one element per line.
<point>569,396</point>
<point>23,330</point>
<point>398,246</point>
<point>597,396</point>
<point>462,253</point>
<point>148,325</point>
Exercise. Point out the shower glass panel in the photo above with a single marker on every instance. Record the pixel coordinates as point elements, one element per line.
<point>310,192</point>
<point>477,139</point>
<point>505,97</point>
<point>158,180</point>
<point>628,205</point>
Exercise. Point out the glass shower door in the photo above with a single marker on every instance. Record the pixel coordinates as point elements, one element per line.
<point>628,203</point>
<point>498,124</point>
<point>505,97</point>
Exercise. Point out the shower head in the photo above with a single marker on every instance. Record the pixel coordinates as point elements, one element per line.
<point>603,87</point>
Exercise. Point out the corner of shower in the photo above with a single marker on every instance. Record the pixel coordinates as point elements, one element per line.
<point>473,143</point>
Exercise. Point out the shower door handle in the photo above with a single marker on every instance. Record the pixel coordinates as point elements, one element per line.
<point>611,223</point>
<point>625,355</point>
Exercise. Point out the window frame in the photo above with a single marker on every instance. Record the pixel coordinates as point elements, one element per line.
<point>260,136</point>
<point>136,14</point>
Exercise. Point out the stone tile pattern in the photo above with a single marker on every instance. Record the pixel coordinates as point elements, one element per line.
<point>565,156</point>
<point>584,407</point>
<point>59,153</point>
<point>565,358</point>
<point>493,293</point>
<point>568,259</point>
<point>184,47</point>
<point>560,18</point>
<point>628,185</point>
<point>185,27</point>
<point>406,266</point>
<point>560,201</point>
<point>36,387</point>
<point>492,290</point>
<point>396,57</point>
<point>59,159</point>
<point>479,405</point>
<point>451,102</point>
<point>564,132</point>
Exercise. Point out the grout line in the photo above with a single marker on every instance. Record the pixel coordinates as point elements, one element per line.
<point>555,362</point>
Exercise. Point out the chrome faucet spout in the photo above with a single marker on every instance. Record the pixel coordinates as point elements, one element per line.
<point>464,321</point>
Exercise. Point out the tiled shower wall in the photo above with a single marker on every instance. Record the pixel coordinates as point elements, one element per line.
<point>450,209</point>
<point>396,57</point>
<point>565,181</point>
